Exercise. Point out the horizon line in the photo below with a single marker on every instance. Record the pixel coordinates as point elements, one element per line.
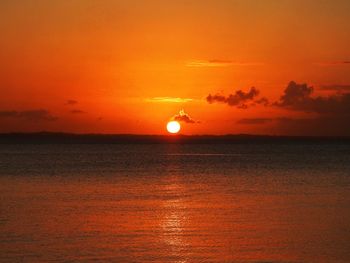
<point>168,135</point>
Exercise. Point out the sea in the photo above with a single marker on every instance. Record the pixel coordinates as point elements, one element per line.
<point>248,202</point>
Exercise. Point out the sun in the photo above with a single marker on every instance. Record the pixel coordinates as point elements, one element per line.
<point>173,126</point>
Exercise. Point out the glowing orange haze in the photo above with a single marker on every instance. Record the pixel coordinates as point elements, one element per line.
<point>131,66</point>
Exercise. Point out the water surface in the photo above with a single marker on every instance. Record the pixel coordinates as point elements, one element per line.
<point>175,203</point>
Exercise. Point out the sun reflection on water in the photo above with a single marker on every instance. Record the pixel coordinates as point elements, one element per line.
<point>174,220</point>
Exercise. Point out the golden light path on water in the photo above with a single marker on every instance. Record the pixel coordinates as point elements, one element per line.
<point>173,223</point>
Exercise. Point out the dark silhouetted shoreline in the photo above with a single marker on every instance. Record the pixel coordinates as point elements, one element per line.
<point>70,138</point>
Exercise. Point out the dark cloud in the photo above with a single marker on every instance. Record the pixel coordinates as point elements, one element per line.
<point>184,117</point>
<point>8,113</point>
<point>238,99</point>
<point>282,120</point>
<point>77,112</point>
<point>318,126</point>
<point>335,87</point>
<point>71,102</point>
<point>295,94</point>
<point>263,101</point>
<point>298,97</point>
<point>286,120</point>
<point>32,115</point>
<point>318,115</point>
<point>254,121</point>
<point>333,63</point>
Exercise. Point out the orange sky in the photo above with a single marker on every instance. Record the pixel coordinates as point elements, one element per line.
<point>131,66</point>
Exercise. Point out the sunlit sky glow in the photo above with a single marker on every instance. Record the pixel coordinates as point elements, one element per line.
<point>131,66</point>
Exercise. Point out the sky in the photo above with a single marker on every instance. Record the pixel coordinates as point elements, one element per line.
<point>216,66</point>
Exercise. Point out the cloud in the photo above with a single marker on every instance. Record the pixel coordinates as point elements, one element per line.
<point>238,99</point>
<point>319,126</point>
<point>184,117</point>
<point>254,121</point>
<point>318,115</point>
<point>219,63</point>
<point>316,126</point>
<point>330,114</point>
<point>335,87</point>
<point>32,115</point>
<point>71,102</point>
<point>295,94</point>
<point>333,63</point>
<point>8,114</point>
<point>283,120</point>
<point>169,99</point>
<point>298,97</point>
<point>286,120</point>
<point>263,101</point>
<point>77,112</point>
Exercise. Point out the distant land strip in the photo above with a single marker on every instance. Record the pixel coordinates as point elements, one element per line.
<point>71,138</point>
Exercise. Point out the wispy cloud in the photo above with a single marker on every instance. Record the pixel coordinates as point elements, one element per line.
<point>31,115</point>
<point>169,99</point>
<point>335,87</point>
<point>279,120</point>
<point>254,121</point>
<point>77,112</point>
<point>320,125</point>
<point>333,63</point>
<point>219,63</point>
<point>71,102</point>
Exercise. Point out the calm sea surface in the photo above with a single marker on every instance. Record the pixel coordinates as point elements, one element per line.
<point>175,203</point>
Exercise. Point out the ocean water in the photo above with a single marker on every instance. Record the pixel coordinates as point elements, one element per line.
<point>175,203</point>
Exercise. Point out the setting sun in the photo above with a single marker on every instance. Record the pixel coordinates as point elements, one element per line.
<point>173,127</point>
